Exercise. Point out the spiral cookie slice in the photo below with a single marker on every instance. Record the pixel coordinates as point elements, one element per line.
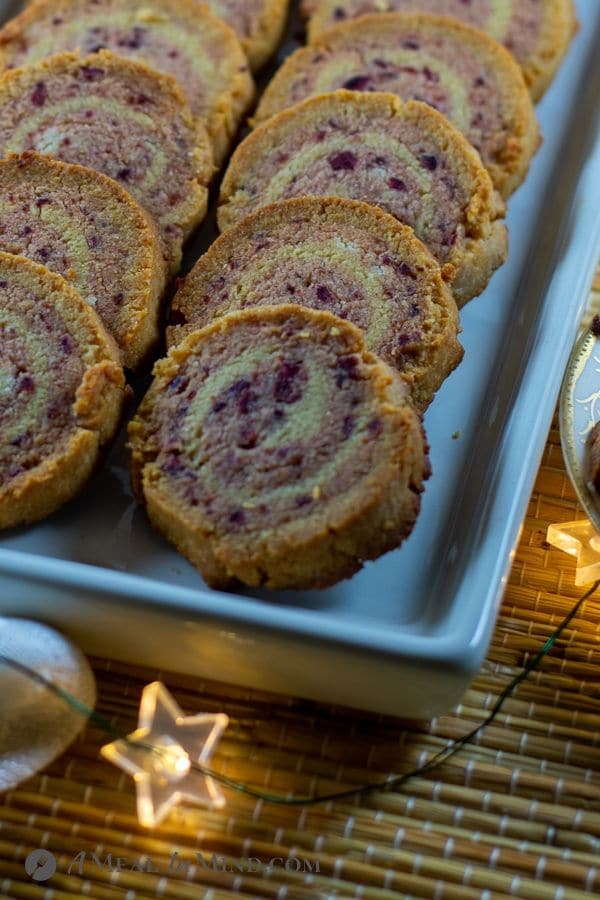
<point>537,32</point>
<point>258,24</point>
<point>176,37</point>
<point>121,118</point>
<point>342,256</point>
<point>403,157</point>
<point>61,391</point>
<point>272,448</point>
<point>458,70</point>
<point>87,228</point>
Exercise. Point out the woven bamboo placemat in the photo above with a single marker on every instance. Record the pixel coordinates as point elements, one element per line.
<point>517,814</point>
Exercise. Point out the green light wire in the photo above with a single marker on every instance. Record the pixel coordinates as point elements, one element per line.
<point>437,760</point>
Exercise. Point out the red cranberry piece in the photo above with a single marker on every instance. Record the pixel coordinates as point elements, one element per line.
<point>357,83</point>
<point>133,41</point>
<point>124,174</point>
<point>177,385</point>
<point>27,384</point>
<point>347,370</point>
<point>239,387</point>
<point>118,299</point>
<point>339,13</point>
<point>343,161</point>
<point>66,344</point>
<point>405,269</point>
<point>173,466</point>
<point>596,326</point>
<point>375,427</point>
<point>348,427</point>
<point>91,73</point>
<point>237,517</point>
<point>287,386</point>
<point>429,162</point>
<point>303,501</point>
<point>247,438</point>
<point>397,184</point>
<point>324,294</point>
<point>39,94</point>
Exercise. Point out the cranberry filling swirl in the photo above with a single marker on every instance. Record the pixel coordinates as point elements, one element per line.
<point>403,157</point>
<point>61,391</point>
<point>179,38</point>
<point>259,24</point>
<point>273,449</point>
<point>456,69</point>
<point>121,118</point>
<point>342,256</point>
<point>83,225</point>
<point>536,32</point>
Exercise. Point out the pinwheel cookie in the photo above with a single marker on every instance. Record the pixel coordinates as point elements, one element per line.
<point>537,32</point>
<point>121,118</point>
<point>259,25</point>
<point>341,256</point>
<point>403,157</point>
<point>177,37</point>
<point>273,449</point>
<point>87,228</point>
<point>457,69</point>
<point>61,391</point>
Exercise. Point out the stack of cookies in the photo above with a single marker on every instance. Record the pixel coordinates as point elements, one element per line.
<point>281,442</point>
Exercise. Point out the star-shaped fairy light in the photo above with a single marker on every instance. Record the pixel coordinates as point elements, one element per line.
<point>579,539</point>
<point>161,756</point>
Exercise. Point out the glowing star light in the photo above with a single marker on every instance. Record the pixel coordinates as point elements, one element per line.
<point>162,753</point>
<point>579,539</point>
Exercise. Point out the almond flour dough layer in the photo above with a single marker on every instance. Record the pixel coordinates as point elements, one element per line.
<point>83,225</point>
<point>176,37</point>
<point>258,24</point>
<point>272,449</point>
<point>537,32</point>
<point>457,69</point>
<point>403,157</point>
<point>342,256</point>
<point>121,118</point>
<point>61,391</point>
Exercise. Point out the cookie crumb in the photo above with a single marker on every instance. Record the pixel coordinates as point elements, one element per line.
<point>456,436</point>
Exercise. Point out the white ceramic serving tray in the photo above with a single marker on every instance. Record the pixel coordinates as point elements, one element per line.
<point>407,634</point>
